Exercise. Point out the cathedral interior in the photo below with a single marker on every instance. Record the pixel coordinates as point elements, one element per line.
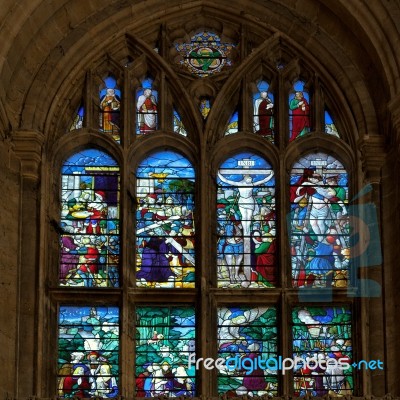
<point>196,177</point>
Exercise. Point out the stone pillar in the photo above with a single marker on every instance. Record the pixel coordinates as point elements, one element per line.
<point>9,206</point>
<point>373,312</point>
<point>28,148</point>
<point>391,224</point>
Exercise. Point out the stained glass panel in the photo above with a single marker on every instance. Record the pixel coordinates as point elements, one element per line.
<point>322,334</point>
<point>205,107</point>
<point>263,104</point>
<point>165,338</point>
<point>233,124</point>
<point>178,124</point>
<point>246,223</point>
<point>164,218</point>
<point>88,351</point>
<point>146,108</point>
<point>205,54</point>
<point>110,107</point>
<point>77,122</point>
<point>330,127</point>
<point>319,225</point>
<point>89,244</point>
<point>299,111</point>
<point>247,336</point>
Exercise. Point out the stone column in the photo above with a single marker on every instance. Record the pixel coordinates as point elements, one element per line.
<point>28,148</point>
<point>372,305</point>
<point>391,224</point>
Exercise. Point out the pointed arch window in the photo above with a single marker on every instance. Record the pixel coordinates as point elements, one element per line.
<point>215,242</point>
<point>89,243</point>
<point>165,231</point>
<point>246,222</point>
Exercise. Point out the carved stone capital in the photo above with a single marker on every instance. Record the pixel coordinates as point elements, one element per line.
<point>27,146</point>
<point>372,157</point>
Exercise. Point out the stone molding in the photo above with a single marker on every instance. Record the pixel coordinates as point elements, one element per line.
<point>27,146</point>
<point>372,156</point>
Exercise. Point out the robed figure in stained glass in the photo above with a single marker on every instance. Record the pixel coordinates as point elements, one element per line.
<point>300,115</point>
<point>147,112</point>
<point>110,107</point>
<point>263,115</point>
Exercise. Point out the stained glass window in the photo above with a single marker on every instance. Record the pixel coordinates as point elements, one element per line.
<point>77,122</point>
<point>263,104</point>
<point>330,127</point>
<point>165,225</point>
<point>89,244</point>
<point>233,124</point>
<point>88,351</point>
<point>165,339</point>
<point>178,124</point>
<point>110,107</point>
<point>322,334</point>
<point>205,54</point>
<point>146,108</point>
<point>246,223</point>
<point>205,107</point>
<point>247,338</point>
<point>319,225</point>
<point>299,111</point>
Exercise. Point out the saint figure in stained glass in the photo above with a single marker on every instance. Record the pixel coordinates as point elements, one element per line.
<point>263,111</point>
<point>299,112</point>
<point>110,105</point>
<point>246,222</point>
<point>165,225</point>
<point>319,224</point>
<point>146,106</point>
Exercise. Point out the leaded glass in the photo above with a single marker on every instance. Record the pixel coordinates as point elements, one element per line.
<point>263,117</point>
<point>233,124</point>
<point>77,122</point>
<point>164,221</point>
<point>205,54</point>
<point>245,337</point>
<point>205,107</point>
<point>165,338</point>
<point>319,225</point>
<point>322,334</point>
<point>299,111</point>
<point>89,243</point>
<point>330,127</point>
<point>146,108</point>
<point>110,107</point>
<point>246,223</point>
<point>178,124</point>
<point>88,351</point>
